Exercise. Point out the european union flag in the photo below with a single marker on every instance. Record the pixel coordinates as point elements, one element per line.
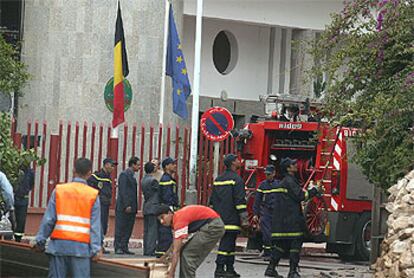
<point>177,70</point>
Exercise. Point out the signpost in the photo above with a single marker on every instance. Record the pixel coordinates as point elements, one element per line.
<point>216,124</point>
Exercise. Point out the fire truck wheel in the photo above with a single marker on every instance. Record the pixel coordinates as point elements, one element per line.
<point>316,216</point>
<point>363,240</point>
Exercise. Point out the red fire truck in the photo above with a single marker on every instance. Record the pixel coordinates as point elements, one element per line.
<point>342,216</point>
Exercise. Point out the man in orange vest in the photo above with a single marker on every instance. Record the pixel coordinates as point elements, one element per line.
<point>73,222</point>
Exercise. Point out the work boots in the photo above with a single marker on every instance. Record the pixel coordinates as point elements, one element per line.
<point>293,271</point>
<point>231,272</point>
<point>293,274</point>
<point>220,272</point>
<point>271,270</point>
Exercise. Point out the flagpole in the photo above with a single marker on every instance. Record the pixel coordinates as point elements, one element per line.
<point>164,60</point>
<point>114,131</point>
<point>196,95</point>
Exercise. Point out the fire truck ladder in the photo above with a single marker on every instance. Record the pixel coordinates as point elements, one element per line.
<point>316,208</point>
<point>327,152</point>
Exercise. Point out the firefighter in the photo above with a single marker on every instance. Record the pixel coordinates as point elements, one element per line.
<point>169,197</point>
<point>101,180</point>
<point>21,199</point>
<point>228,198</point>
<point>73,222</point>
<point>262,208</point>
<point>288,221</point>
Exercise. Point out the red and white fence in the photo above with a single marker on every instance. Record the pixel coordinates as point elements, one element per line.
<point>74,140</point>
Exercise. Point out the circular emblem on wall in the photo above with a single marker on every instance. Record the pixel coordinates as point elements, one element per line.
<point>109,94</point>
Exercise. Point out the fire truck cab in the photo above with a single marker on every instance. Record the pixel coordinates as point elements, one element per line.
<point>341,217</point>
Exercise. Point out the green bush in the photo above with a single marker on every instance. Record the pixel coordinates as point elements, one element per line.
<point>367,52</point>
<point>11,158</point>
<point>13,73</point>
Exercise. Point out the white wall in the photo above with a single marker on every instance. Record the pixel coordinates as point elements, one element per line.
<point>249,78</point>
<point>306,14</point>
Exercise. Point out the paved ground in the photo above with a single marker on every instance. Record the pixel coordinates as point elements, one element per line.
<point>249,266</point>
<point>314,264</point>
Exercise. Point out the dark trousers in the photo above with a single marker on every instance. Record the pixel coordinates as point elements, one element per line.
<point>287,246</point>
<point>266,229</point>
<point>104,220</point>
<point>20,212</point>
<point>124,224</point>
<point>150,234</point>
<point>165,239</point>
<point>227,249</point>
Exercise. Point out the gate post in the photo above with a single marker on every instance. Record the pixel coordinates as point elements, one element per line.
<point>17,140</point>
<point>53,163</point>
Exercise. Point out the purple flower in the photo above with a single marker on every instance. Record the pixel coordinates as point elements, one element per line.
<point>380,18</point>
<point>409,80</point>
<point>383,2</point>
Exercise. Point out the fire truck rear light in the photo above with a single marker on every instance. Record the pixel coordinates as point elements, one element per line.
<point>251,164</point>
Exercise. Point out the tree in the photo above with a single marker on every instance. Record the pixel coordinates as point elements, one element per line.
<point>13,76</point>
<point>13,73</point>
<point>367,52</point>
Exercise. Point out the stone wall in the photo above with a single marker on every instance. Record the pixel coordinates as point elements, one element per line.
<point>68,47</point>
<point>397,256</point>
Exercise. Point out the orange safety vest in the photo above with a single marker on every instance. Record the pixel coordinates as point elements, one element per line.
<point>74,202</point>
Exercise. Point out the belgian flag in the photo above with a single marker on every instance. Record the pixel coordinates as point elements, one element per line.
<point>120,70</point>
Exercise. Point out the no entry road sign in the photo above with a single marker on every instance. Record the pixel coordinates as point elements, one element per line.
<point>216,124</point>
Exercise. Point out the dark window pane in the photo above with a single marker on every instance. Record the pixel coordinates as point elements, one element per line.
<point>221,52</point>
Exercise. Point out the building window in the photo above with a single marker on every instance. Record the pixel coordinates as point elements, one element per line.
<point>225,52</point>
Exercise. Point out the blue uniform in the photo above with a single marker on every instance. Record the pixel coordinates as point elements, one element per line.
<point>67,256</point>
<point>21,198</point>
<point>228,198</point>
<point>101,181</point>
<point>264,199</point>
<point>169,197</point>
<point>168,191</point>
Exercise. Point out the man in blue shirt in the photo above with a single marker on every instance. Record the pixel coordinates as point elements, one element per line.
<point>74,239</point>
<point>6,191</point>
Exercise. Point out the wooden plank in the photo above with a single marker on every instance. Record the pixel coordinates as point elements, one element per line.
<point>21,260</point>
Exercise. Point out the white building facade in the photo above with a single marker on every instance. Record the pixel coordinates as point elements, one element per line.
<point>263,53</point>
<point>247,51</point>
